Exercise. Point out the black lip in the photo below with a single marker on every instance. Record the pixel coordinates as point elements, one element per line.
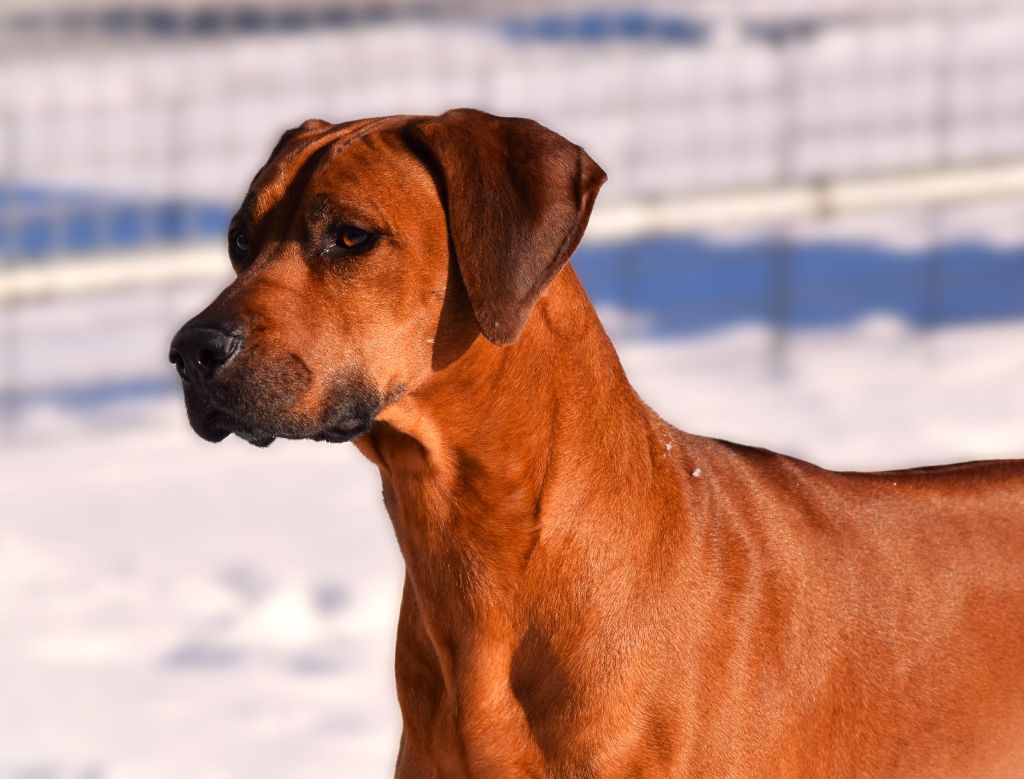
<point>262,440</point>
<point>212,426</point>
<point>227,424</point>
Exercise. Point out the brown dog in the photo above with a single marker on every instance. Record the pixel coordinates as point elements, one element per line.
<point>590,592</point>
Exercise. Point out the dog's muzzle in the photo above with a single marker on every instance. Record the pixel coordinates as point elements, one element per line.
<point>228,391</point>
<point>201,354</point>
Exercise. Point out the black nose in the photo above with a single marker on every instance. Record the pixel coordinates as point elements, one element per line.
<point>198,351</point>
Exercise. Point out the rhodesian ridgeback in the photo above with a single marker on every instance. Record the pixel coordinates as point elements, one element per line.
<point>590,592</point>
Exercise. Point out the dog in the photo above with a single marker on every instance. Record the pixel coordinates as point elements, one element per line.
<point>589,591</point>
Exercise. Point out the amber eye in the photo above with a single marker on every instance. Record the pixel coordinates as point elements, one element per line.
<point>350,237</point>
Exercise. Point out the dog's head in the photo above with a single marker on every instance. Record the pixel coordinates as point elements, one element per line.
<point>371,254</point>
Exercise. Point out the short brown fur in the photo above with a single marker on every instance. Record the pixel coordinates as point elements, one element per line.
<point>590,592</point>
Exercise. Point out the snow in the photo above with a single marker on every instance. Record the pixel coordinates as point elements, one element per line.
<point>175,609</point>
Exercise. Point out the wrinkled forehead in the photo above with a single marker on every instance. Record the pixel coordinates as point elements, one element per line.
<point>318,154</point>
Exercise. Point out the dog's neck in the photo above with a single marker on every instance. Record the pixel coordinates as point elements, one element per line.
<point>501,478</point>
<point>484,463</point>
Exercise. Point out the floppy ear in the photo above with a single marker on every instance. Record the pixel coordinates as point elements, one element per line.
<point>518,197</point>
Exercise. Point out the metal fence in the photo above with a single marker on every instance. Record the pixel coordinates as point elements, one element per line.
<point>126,131</point>
<point>113,142</point>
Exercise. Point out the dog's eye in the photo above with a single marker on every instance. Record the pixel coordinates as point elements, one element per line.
<point>239,242</point>
<point>353,238</point>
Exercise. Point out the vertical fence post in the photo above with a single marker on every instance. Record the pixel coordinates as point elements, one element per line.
<point>934,214</point>
<point>628,252</point>
<point>783,37</point>
<point>9,321</point>
<point>9,388</point>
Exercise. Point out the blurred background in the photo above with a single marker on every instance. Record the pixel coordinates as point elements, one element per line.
<point>812,238</point>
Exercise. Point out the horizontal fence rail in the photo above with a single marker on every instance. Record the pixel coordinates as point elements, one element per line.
<point>621,222</point>
<point>816,200</point>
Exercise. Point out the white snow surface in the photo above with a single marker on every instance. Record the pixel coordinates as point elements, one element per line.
<point>172,608</point>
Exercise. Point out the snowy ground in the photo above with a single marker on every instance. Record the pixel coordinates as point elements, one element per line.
<point>172,608</point>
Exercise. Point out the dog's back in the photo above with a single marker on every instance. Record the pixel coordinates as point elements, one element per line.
<point>875,621</point>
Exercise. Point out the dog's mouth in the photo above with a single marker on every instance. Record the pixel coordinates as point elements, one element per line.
<point>259,412</point>
<point>216,425</point>
<point>213,427</point>
<point>213,423</point>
